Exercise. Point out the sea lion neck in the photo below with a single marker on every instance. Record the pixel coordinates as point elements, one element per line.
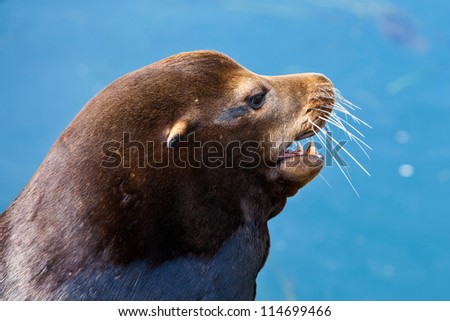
<point>159,224</point>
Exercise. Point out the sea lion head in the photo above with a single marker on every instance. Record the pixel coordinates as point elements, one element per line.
<point>226,105</point>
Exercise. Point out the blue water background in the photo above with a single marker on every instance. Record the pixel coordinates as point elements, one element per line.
<point>389,57</point>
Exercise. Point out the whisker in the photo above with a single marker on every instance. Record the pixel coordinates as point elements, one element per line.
<point>336,107</point>
<point>343,148</point>
<point>339,107</point>
<point>338,116</point>
<point>351,136</point>
<point>326,182</point>
<point>346,102</point>
<point>337,121</point>
<point>321,139</point>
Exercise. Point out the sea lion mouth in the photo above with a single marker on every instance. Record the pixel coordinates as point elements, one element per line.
<point>296,150</point>
<point>297,165</point>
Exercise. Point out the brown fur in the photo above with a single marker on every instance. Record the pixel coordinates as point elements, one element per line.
<point>76,216</point>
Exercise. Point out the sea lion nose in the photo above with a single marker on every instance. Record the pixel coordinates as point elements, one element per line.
<point>320,88</point>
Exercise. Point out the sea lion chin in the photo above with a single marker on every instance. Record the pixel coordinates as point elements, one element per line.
<point>162,186</point>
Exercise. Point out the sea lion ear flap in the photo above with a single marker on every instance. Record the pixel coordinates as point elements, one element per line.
<point>179,129</point>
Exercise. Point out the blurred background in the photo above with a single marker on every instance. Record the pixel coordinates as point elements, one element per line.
<point>389,57</point>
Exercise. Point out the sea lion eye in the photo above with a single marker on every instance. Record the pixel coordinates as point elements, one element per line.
<point>256,101</point>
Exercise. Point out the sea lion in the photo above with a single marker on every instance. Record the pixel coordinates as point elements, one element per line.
<point>162,186</point>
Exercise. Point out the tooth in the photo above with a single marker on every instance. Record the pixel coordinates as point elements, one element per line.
<point>311,150</point>
<point>299,147</point>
